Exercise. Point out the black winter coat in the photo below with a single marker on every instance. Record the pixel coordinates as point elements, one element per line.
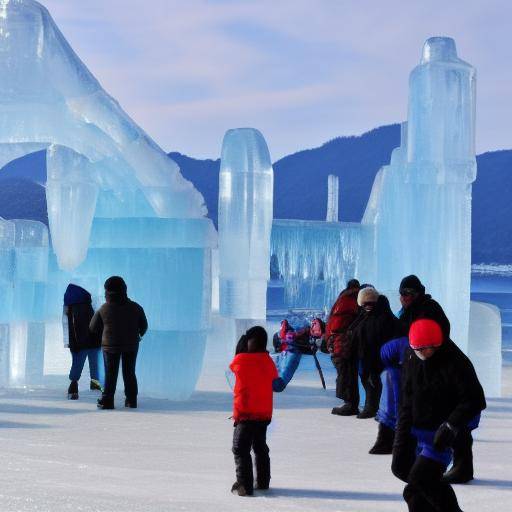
<point>442,388</point>
<point>371,330</point>
<point>79,317</point>
<point>121,323</point>
<point>425,307</point>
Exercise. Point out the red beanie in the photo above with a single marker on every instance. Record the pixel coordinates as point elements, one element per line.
<point>425,333</point>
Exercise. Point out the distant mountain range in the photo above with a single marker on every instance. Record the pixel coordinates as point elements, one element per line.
<point>300,190</point>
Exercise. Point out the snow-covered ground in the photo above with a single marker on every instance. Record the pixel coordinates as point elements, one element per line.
<point>59,455</point>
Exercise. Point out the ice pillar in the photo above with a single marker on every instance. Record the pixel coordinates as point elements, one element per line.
<point>332,198</point>
<point>245,223</point>
<point>6,276</point>
<point>441,167</point>
<point>27,328</point>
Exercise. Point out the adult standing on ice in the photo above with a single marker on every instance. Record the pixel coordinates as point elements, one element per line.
<point>418,304</point>
<point>441,395</point>
<point>121,324</point>
<point>342,315</point>
<point>83,345</point>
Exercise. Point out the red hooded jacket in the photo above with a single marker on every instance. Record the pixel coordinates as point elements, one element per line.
<point>252,396</point>
<point>343,313</point>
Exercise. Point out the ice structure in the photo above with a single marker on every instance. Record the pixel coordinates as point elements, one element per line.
<point>418,217</point>
<point>245,223</point>
<point>333,193</point>
<point>420,208</point>
<point>116,205</point>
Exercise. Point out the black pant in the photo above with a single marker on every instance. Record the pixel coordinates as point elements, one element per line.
<point>370,379</point>
<point>128,361</point>
<point>247,435</point>
<point>347,383</point>
<point>425,491</point>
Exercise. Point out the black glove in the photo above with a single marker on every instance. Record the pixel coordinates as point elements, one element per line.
<point>445,436</point>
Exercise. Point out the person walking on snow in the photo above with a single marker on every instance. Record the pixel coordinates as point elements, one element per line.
<point>440,396</point>
<point>121,323</point>
<point>252,410</point>
<point>82,343</point>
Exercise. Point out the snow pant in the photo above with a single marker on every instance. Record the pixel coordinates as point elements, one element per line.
<point>390,397</point>
<point>347,381</point>
<point>370,379</point>
<point>422,468</point>
<point>251,435</point>
<point>78,361</point>
<point>287,363</point>
<point>128,361</point>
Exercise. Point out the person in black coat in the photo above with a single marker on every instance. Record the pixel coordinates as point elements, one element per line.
<point>78,312</point>
<point>375,326</point>
<point>441,396</point>
<point>121,323</point>
<point>418,304</point>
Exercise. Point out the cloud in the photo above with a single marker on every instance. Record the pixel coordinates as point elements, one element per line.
<point>303,70</point>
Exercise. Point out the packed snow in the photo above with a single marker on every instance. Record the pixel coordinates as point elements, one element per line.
<point>61,455</point>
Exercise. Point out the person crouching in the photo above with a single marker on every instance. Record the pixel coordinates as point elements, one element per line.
<point>252,411</point>
<point>441,395</point>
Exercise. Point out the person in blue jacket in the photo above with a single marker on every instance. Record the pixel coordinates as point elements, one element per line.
<point>392,355</point>
<point>82,343</point>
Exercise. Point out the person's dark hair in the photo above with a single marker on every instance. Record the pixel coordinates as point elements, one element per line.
<point>353,283</point>
<point>115,289</point>
<point>256,339</point>
<point>366,285</point>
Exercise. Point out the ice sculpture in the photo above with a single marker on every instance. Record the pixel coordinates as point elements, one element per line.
<point>484,346</point>
<point>245,222</point>
<point>419,215</point>
<point>332,198</point>
<point>314,259</point>
<point>116,205</point>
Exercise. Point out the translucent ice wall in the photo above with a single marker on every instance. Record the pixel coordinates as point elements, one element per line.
<point>421,203</point>
<point>48,96</point>
<point>245,222</point>
<point>116,205</point>
<point>314,259</point>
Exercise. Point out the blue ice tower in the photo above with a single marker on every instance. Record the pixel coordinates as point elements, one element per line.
<point>245,222</point>
<point>420,206</point>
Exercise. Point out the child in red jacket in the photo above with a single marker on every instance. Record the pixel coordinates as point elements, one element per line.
<point>252,410</point>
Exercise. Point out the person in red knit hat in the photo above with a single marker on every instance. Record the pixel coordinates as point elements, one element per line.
<point>441,395</point>
<point>252,410</point>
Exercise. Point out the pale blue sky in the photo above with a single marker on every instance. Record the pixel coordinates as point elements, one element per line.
<point>302,71</point>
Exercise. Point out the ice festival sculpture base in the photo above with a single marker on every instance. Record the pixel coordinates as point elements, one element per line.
<point>116,205</point>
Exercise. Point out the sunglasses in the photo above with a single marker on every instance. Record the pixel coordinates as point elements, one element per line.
<point>421,349</point>
<point>368,304</point>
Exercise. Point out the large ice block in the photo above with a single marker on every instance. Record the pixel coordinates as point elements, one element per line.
<point>245,222</point>
<point>484,347</point>
<point>48,96</point>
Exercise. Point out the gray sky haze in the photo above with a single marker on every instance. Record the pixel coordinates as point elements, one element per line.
<point>301,71</point>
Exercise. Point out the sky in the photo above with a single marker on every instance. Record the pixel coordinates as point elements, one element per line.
<point>301,71</point>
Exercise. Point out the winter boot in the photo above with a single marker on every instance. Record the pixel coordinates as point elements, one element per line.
<point>346,410</point>
<point>95,385</point>
<point>462,469</point>
<point>384,443</point>
<point>73,390</point>
<point>239,489</point>
<point>367,413</point>
<point>131,403</point>
<point>105,403</point>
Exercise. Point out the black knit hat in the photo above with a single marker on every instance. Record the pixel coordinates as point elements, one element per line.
<point>116,284</point>
<point>412,283</point>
